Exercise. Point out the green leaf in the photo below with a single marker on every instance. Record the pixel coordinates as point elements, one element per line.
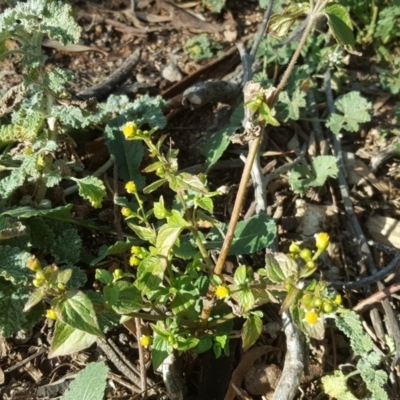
<point>289,108</point>
<point>220,140</point>
<point>251,331</point>
<point>150,274</point>
<point>62,213</point>
<point>183,305</point>
<point>340,23</point>
<point>129,298</point>
<point>128,153</point>
<point>166,238</point>
<point>92,189</point>
<point>280,24</point>
<point>206,203</point>
<point>146,234</point>
<point>68,340</point>
<point>251,235</point>
<point>186,181</point>
<point>66,245</point>
<point>240,275</point>
<point>350,324</point>
<point>336,386</point>
<point>154,186</point>
<point>279,267</point>
<point>116,248</point>
<point>323,167</point>
<point>159,351</point>
<point>76,310</point>
<point>355,110</point>
<point>12,303</point>
<point>89,384</point>
<point>103,276</point>
<point>184,344</point>
<point>13,265</point>
<point>245,298</point>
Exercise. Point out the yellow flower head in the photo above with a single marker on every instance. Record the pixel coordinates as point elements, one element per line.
<point>321,241</point>
<point>126,212</point>
<point>136,250</point>
<point>131,187</point>
<point>145,340</point>
<point>311,317</point>
<point>222,291</point>
<point>134,261</point>
<point>51,314</point>
<point>129,130</point>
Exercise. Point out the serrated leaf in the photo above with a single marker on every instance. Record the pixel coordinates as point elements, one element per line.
<point>350,324</point>
<point>68,340</point>
<point>289,108</point>
<point>150,274</point>
<point>354,109</point>
<point>220,140</point>
<point>129,298</point>
<point>89,384</point>
<point>336,386</point>
<point>11,183</point>
<point>183,304</point>
<point>92,189</point>
<point>245,298</point>
<point>13,265</point>
<point>76,310</point>
<point>340,23</point>
<point>66,245</point>
<point>10,228</point>
<point>12,317</point>
<point>250,236</point>
<point>144,233</point>
<point>323,167</point>
<point>251,331</point>
<point>206,203</point>
<point>186,181</point>
<point>279,267</point>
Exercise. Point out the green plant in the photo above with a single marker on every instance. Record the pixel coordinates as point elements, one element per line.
<point>173,281</point>
<point>200,48</point>
<point>336,385</point>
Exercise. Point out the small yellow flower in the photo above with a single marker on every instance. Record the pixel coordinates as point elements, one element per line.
<point>129,130</point>
<point>338,300</point>
<point>126,212</point>
<point>222,291</point>
<point>51,314</point>
<point>131,187</point>
<point>145,340</point>
<point>321,240</point>
<point>134,261</point>
<point>136,250</point>
<point>311,317</point>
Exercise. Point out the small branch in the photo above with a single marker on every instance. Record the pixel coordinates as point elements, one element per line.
<point>377,297</point>
<point>120,75</point>
<point>289,381</point>
<point>143,380</point>
<point>369,280</point>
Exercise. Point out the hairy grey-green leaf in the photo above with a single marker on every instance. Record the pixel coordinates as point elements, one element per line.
<point>89,384</point>
<point>12,316</point>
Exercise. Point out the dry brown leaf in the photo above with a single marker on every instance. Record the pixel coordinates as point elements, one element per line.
<point>71,48</point>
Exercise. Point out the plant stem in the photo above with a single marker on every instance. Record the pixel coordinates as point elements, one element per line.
<point>253,151</point>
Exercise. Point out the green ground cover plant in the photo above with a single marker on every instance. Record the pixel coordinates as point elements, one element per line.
<point>173,281</point>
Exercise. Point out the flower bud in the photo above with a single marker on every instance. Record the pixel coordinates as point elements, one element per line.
<point>51,314</point>
<point>222,292</point>
<point>129,130</point>
<point>33,264</point>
